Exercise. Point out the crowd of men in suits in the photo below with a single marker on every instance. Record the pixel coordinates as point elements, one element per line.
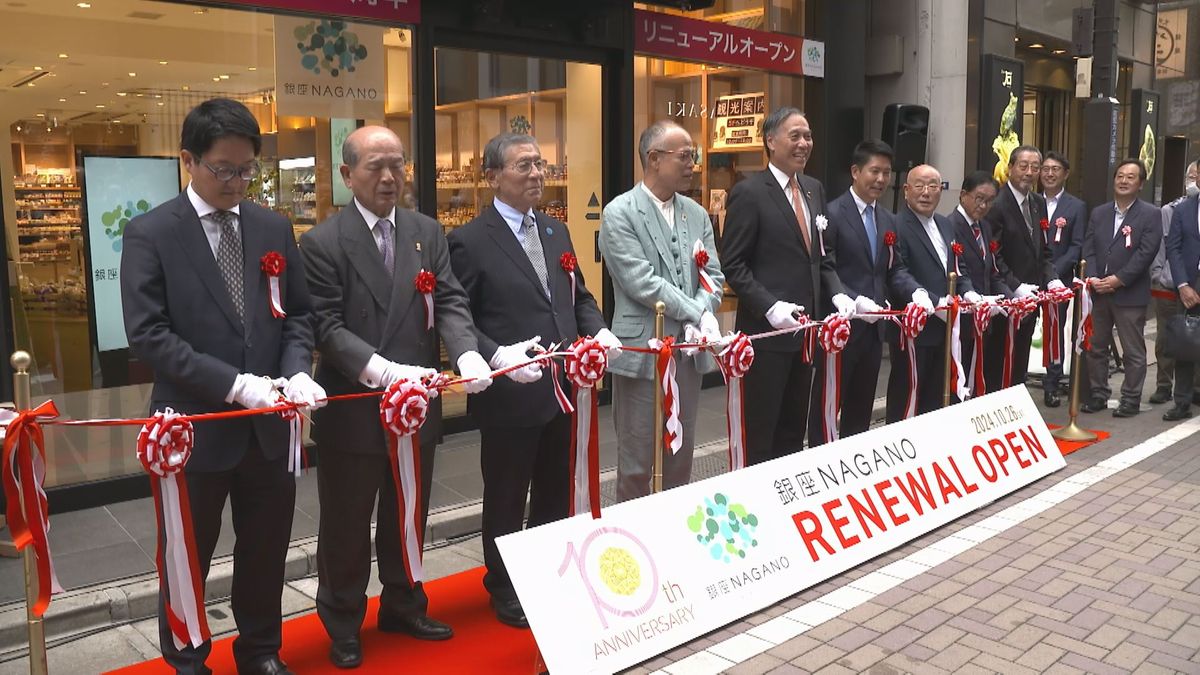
<point>196,310</point>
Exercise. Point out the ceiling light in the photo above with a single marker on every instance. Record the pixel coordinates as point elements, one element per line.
<point>252,68</point>
<point>82,92</point>
<point>63,56</point>
<point>133,74</point>
<point>37,67</point>
<point>41,114</point>
<point>32,84</point>
<point>1059,51</point>
<point>162,63</point>
<point>83,5</point>
<point>224,77</point>
<point>186,88</point>
<point>122,93</point>
<point>100,105</point>
<point>161,103</point>
<point>216,79</point>
<point>1037,45</point>
<point>62,100</point>
<point>199,11</point>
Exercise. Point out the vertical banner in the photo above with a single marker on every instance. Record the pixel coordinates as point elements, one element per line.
<point>329,68</point>
<point>738,123</point>
<point>339,129</point>
<point>116,190</point>
<point>1001,94</point>
<point>1143,136</point>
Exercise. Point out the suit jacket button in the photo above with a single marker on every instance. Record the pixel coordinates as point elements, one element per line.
<point>364,314</point>
<point>679,270</point>
<point>672,239</point>
<point>676,252</point>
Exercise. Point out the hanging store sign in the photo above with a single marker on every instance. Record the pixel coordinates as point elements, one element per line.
<point>1170,45</point>
<point>677,37</point>
<point>1143,135</point>
<point>739,121</point>
<point>392,11</point>
<point>329,68</point>
<point>1002,92</point>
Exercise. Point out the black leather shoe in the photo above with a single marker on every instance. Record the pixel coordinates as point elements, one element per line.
<point>1178,412</point>
<point>1126,410</point>
<point>1051,399</point>
<point>268,666</point>
<point>1160,396</point>
<point>1093,406</point>
<point>346,653</point>
<point>419,626</point>
<point>510,612</point>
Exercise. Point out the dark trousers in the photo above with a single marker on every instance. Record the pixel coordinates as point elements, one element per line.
<point>861,360</point>
<point>994,367</point>
<point>1130,326</point>
<point>347,484</point>
<point>262,499</point>
<point>931,369</point>
<point>520,463</point>
<point>777,390</point>
<point>1054,371</point>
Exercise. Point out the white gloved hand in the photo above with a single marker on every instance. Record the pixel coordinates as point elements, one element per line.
<point>782,315</point>
<point>844,305</point>
<point>471,365</point>
<point>996,310</point>
<point>972,297</point>
<point>253,391</point>
<point>1025,291</point>
<point>510,355</point>
<point>710,329</point>
<point>609,341</point>
<point>1055,285</point>
<point>992,298</point>
<point>303,391</point>
<point>863,306</point>
<point>691,335</point>
<point>394,372</point>
<point>920,298</point>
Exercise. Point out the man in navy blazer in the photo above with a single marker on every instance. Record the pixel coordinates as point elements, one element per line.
<point>1067,218</point>
<point>1183,254</point>
<point>855,239</point>
<point>1123,238</point>
<point>197,311</point>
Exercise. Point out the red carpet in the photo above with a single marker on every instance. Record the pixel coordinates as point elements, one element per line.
<point>481,644</point>
<point>1067,447</point>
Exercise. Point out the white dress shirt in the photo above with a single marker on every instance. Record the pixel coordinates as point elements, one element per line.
<point>935,236</point>
<point>862,207</point>
<point>1119,218</point>
<point>513,218</point>
<point>667,208</point>
<point>784,180</point>
<point>212,229</point>
<point>1052,205</point>
<point>372,220</point>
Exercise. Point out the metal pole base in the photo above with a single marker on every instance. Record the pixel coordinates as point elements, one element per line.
<point>1073,432</point>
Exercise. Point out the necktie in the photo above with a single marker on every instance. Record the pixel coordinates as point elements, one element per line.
<point>387,246</point>
<point>797,206</point>
<point>979,239</point>
<point>229,259</point>
<point>532,243</point>
<point>872,232</point>
<point>1028,215</point>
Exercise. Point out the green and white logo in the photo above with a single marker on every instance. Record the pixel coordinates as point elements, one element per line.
<point>115,221</point>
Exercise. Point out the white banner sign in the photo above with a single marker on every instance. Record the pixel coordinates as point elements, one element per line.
<point>329,68</point>
<point>654,573</point>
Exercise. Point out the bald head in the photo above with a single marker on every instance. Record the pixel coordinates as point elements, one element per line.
<point>374,168</point>
<point>923,190</point>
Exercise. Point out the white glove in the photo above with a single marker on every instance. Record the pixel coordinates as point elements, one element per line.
<point>253,391</point>
<point>710,330</point>
<point>394,372</point>
<point>303,391</point>
<point>1025,291</point>
<point>992,298</point>
<point>1055,285</point>
<point>472,365</point>
<point>511,355</point>
<point>609,341</point>
<point>782,315</point>
<point>972,297</point>
<point>920,298</point>
<point>996,310</point>
<point>864,305</point>
<point>844,305</point>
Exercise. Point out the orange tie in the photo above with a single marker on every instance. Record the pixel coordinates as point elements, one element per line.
<point>794,188</point>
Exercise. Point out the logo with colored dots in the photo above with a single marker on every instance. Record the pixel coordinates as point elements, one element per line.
<point>327,46</point>
<point>725,530</point>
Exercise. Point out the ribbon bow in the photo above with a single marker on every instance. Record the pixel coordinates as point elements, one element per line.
<point>402,411</point>
<point>586,362</point>
<point>735,361</point>
<point>28,509</point>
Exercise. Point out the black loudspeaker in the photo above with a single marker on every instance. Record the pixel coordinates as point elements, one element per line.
<point>905,127</point>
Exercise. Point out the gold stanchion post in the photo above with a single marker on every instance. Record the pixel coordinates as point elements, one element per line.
<point>948,380</point>
<point>660,309</point>
<point>37,630</point>
<point>1074,432</point>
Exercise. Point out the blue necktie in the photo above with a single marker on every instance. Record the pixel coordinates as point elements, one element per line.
<point>872,233</point>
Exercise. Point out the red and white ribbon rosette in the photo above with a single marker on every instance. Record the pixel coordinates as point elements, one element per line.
<point>1045,225</point>
<point>27,508</point>
<point>822,223</point>
<point>1052,351</point>
<point>569,263</point>
<point>402,411</point>
<point>1060,224</point>
<point>994,247</point>
<point>735,361</point>
<point>163,447</point>
<point>889,240</point>
<point>665,368</point>
<point>425,282</point>
<point>273,264</point>
<point>1128,232</point>
<point>957,249</point>
<point>911,323</point>
<point>980,321</point>
<point>700,255</point>
<point>835,333</point>
<point>586,362</point>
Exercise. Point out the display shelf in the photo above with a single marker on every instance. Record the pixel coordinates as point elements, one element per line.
<point>49,228</point>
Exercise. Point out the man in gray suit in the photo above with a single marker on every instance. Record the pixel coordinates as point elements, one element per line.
<point>370,319</point>
<point>1122,239</point>
<point>647,237</point>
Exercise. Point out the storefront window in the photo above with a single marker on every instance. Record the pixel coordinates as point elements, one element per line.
<point>93,116</point>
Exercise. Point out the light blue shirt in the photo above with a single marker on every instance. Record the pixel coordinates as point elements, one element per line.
<point>512,217</point>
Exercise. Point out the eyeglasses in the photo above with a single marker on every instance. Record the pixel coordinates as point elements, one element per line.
<point>1028,166</point>
<point>524,166</point>
<point>932,187</point>
<point>982,201</point>
<point>1051,168</point>
<point>228,173</point>
<point>687,155</point>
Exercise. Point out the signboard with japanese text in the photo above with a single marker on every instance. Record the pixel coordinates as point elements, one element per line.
<point>738,121</point>
<point>329,68</point>
<point>1170,45</point>
<point>392,11</point>
<point>678,37</point>
<point>656,572</point>
<point>1143,136</point>
<point>1002,93</point>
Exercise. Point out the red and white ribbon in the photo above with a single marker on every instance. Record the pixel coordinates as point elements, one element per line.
<point>700,255</point>
<point>1052,351</point>
<point>822,223</point>
<point>564,401</point>
<point>28,509</point>
<point>1128,232</point>
<point>835,333</point>
<point>889,239</point>
<point>163,447</point>
<point>1060,224</point>
<point>402,411</point>
<point>911,323</point>
<point>425,282</point>
<point>735,361</point>
<point>1083,340</point>
<point>980,321</point>
<point>295,438</point>
<point>957,249</point>
<point>665,366</point>
<point>273,264</point>
<point>586,362</point>
<point>1018,309</point>
<point>957,374</point>
<point>569,263</point>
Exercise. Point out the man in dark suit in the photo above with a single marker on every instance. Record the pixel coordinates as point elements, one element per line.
<point>855,239</point>
<point>925,240</point>
<point>772,258</point>
<point>1183,254</point>
<point>1067,217</point>
<point>1015,220</point>
<point>509,261</point>
<point>1164,292</point>
<point>197,311</point>
<point>978,262</point>
<point>372,331</point>
<point>1123,238</point>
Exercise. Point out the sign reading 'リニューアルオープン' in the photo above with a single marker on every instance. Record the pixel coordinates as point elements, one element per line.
<point>654,573</point>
